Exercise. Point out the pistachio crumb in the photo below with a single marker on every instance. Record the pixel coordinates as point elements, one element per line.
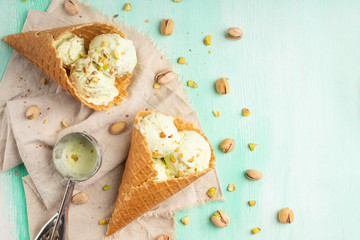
<point>255,230</point>
<point>156,85</point>
<point>103,222</point>
<point>181,60</point>
<point>127,7</point>
<point>106,187</point>
<point>185,220</point>
<point>216,113</point>
<point>64,123</point>
<point>231,187</point>
<point>252,146</point>
<point>252,203</point>
<point>191,83</point>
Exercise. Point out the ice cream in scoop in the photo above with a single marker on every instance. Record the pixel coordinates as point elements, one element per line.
<point>113,54</point>
<point>70,48</point>
<point>91,84</point>
<point>184,153</point>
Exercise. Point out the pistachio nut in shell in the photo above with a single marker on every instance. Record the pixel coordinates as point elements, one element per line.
<point>227,145</point>
<point>163,237</point>
<point>286,215</point>
<point>234,33</point>
<point>220,219</point>
<point>80,198</point>
<point>167,26</point>
<point>71,7</point>
<point>222,86</point>
<point>32,112</point>
<point>253,174</point>
<point>165,77</point>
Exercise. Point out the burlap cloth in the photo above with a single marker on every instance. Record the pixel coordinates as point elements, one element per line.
<point>31,141</point>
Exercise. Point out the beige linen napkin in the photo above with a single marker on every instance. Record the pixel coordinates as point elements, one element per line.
<point>32,140</point>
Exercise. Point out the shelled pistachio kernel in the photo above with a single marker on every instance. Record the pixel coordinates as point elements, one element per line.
<point>211,192</point>
<point>231,187</point>
<point>207,40</point>
<point>106,187</point>
<point>246,112</point>
<point>103,222</point>
<point>185,220</point>
<point>127,7</point>
<point>255,230</point>
<point>156,85</point>
<point>191,83</point>
<point>181,60</point>
<point>252,146</point>
<point>216,113</point>
<point>252,203</point>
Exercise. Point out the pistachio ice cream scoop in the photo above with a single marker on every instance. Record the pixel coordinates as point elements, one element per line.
<point>161,133</point>
<point>193,155</point>
<point>70,48</point>
<point>91,84</point>
<point>113,54</point>
<point>175,154</point>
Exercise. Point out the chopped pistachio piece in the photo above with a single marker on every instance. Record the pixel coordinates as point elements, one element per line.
<point>231,187</point>
<point>106,187</point>
<point>172,158</point>
<point>185,220</point>
<point>207,40</point>
<point>246,112</point>
<point>252,203</point>
<point>191,83</point>
<point>116,54</point>
<point>252,146</point>
<point>64,123</point>
<point>255,230</point>
<point>43,81</point>
<point>127,7</point>
<point>103,222</point>
<point>216,113</point>
<point>180,173</point>
<point>46,121</point>
<point>181,60</point>
<point>156,85</point>
<point>211,192</point>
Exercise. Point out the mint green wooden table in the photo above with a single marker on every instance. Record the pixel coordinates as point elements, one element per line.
<point>297,70</point>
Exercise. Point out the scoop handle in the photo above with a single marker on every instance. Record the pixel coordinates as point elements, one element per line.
<point>63,212</point>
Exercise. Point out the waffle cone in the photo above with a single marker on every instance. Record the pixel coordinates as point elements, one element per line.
<point>139,192</point>
<point>37,47</point>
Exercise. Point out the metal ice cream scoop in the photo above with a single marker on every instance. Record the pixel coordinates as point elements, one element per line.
<point>77,157</point>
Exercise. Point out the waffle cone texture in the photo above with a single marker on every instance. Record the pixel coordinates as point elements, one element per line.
<point>139,192</point>
<point>37,47</point>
